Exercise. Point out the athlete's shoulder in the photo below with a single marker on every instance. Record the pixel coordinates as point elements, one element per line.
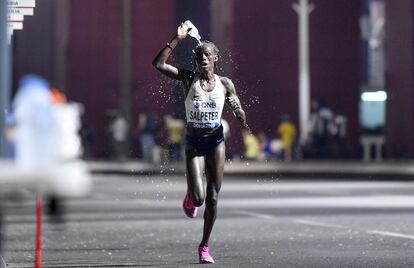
<point>227,83</point>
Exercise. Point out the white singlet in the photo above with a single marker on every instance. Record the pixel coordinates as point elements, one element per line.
<point>203,109</point>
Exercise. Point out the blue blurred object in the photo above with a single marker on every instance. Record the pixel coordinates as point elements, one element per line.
<point>33,81</point>
<point>285,117</point>
<point>10,118</point>
<point>9,145</point>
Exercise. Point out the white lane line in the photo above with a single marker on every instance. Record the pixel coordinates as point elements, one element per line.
<point>391,234</point>
<point>329,192</point>
<point>256,215</point>
<point>301,221</point>
<point>315,186</point>
<point>320,224</point>
<point>379,201</point>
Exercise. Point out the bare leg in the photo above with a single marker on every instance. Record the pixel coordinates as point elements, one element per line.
<point>214,174</point>
<point>195,167</point>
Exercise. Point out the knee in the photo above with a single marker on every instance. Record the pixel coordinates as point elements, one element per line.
<point>212,200</point>
<point>197,200</point>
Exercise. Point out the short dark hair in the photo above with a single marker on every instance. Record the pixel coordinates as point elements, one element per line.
<point>209,43</point>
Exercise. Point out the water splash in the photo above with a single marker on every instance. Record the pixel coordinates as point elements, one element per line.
<point>248,128</point>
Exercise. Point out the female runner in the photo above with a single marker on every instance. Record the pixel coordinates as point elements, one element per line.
<point>205,95</point>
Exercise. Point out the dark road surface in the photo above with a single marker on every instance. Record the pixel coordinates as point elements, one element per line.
<point>137,221</point>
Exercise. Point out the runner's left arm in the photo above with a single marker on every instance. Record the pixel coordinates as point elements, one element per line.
<point>233,100</point>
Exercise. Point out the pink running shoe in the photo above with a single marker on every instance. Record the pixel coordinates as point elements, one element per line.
<point>204,256</point>
<point>189,209</point>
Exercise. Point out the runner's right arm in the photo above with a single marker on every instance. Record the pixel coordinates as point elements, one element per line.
<point>160,61</point>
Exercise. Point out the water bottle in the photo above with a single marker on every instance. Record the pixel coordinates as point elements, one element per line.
<point>192,31</point>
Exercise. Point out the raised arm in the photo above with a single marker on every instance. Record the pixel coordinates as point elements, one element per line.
<point>160,61</point>
<point>233,100</point>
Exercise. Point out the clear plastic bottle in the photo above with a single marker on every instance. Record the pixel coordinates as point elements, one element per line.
<point>192,30</point>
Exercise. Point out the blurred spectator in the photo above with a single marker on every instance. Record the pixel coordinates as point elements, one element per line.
<point>175,136</point>
<point>118,129</point>
<point>87,134</point>
<point>57,96</point>
<point>318,142</point>
<point>148,127</point>
<point>251,144</point>
<point>276,149</point>
<point>33,113</point>
<point>264,145</point>
<point>338,130</point>
<point>10,135</point>
<point>66,125</point>
<point>287,133</point>
<point>310,144</point>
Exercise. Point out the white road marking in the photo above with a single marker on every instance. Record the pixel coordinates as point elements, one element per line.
<point>377,201</point>
<point>256,215</point>
<point>320,224</point>
<point>323,224</point>
<point>390,234</point>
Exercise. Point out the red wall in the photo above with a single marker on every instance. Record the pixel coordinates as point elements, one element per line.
<point>399,45</point>
<point>258,45</point>
<point>93,62</point>
<point>336,60</point>
<point>266,63</point>
<point>94,54</point>
<point>153,26</point>
<point>262,58</point>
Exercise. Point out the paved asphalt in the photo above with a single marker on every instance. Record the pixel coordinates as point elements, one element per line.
<point>137,221</point>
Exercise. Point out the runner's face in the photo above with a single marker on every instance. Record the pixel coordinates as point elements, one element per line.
<point>205,58</point>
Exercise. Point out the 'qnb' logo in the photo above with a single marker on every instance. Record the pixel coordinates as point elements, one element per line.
<point>203,104</point>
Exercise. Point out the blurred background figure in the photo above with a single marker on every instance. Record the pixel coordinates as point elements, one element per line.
<point>264,145</point>
<point>324,130</point>
<point>251,145</point>
<point>287,133</point>
<point>175,136</point>
<point>276,149</point>
<point>47,143</point>
<point>10,135</point>
<point>338,132</point>
<point>88,138</point>
<point>57,96</point>
<point>33,112</point>
<point>118,129</point>
<point>148,128</point>
<point>318,130</point>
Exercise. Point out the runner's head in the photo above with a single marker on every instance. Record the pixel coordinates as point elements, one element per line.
<point>205,57</point>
